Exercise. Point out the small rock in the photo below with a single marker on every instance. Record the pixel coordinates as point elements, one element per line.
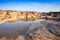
<point>20,38</point>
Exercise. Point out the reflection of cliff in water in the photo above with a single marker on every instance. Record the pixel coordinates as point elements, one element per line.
<point>44,30</point>
<point>20,27</point>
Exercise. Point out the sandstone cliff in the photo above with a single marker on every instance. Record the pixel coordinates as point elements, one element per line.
<point>12,16</point>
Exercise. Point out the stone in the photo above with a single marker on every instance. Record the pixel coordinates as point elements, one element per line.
<point>35,39</point>
<point>20,37</point>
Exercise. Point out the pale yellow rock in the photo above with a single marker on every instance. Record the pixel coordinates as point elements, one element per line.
<point>35,39</point>
<point>39,16</point>
<point>29,16</point>
<point>10,20</point>
<point>22,16</point>
<point>3,14</point>
<point>20,38</point>
<point>35,16</point>
<point>2,21</point>
<point>50,39</point>
<point>12,16</point>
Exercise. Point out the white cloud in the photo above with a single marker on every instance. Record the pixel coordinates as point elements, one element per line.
<point>41,7</point>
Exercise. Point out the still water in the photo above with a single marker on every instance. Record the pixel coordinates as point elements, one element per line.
<point>19,26</point>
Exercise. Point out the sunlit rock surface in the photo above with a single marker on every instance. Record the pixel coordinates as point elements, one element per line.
<point>2,14</point>
<point>20,38</point>
<point>12,16</point>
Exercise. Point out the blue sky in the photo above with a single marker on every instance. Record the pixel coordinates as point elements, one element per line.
<point>30,5</point>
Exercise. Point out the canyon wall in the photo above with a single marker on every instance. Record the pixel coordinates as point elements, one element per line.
<point>12,16</point>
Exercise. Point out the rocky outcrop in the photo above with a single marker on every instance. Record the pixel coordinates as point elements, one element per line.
<point>48,30</point>
<point>12,16</point>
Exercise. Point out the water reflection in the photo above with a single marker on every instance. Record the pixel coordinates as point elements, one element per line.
<point>19,26</point>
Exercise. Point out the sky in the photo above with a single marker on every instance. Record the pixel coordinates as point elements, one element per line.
<point>30,5</point>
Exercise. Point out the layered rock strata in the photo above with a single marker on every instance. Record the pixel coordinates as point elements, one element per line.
<point>12,16</point>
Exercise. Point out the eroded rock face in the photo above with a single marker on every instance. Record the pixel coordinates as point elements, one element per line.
<point>41,34</point>
<point>2,16</point>
<point>12,16</point>
<point>47,30</point>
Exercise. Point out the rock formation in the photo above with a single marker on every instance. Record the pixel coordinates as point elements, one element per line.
<point>12,16</point>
